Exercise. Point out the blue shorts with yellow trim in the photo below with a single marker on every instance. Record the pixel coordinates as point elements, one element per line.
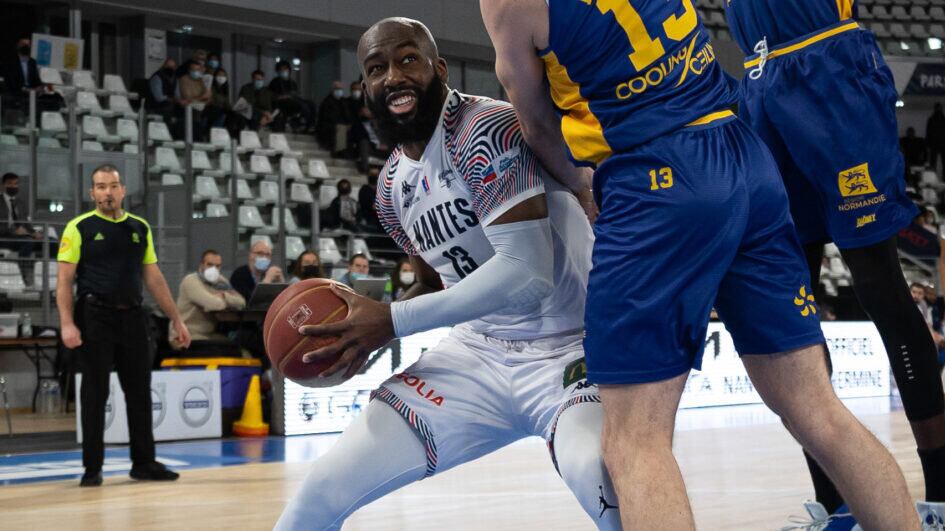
<point>825,105</point>
<point>691,220</point>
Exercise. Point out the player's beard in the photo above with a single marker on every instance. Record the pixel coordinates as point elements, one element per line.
<point>394,130</point>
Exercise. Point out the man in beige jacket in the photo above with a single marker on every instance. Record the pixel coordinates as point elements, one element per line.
<point>202,292</point>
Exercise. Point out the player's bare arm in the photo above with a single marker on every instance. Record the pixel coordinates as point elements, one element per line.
<point>516,33</point>
<point>370,324</point>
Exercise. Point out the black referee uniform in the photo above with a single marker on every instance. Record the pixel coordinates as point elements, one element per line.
<point>110,254</point>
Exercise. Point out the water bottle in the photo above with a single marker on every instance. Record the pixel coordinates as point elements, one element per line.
<point>45,398</point>
<point>26,326</point>
<point>54,396</point>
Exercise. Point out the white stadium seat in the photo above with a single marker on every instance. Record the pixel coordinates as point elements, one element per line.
<point>318,169</point>
<point>128,130</point>
<point>300,193</point>
<point>294,246</point>
<point>259,164</point>
<point>114,84</point>
<point>290,168</point>
<point>249,217</point>
<point>216,210</point>
<point>52,122</point>
<point>328,251</point>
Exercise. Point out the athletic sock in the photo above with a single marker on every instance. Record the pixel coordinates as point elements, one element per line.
<point>824,489</point>
<point>933,467</point>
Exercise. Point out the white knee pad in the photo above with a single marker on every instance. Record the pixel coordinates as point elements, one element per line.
<point>581,465</point>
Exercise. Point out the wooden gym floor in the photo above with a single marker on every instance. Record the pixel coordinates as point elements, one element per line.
<point>742,470</point>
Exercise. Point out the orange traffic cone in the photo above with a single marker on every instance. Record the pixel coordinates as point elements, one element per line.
<point>251,423</point>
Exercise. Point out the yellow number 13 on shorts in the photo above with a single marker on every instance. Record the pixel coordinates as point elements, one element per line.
<point>646,49</point>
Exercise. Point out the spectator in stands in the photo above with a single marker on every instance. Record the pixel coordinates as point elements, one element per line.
<point>307,265</point>
<point>293,109</point>
<point>937,305</point>
<point>191,90</point>
<point>15,234</point>
<point>355,99</point>
<point>367,212</point>
<point>913,149</point>
<point>163,88</point>
<point>365,144</point>
<point>198,56</point>
<point>213,62</point>
<point>358,268</point>
<point>23,73</point>
<point>935,135</point>
<point>259,270</point>
<point>343,210</point>
<point>927,220</point>
<point>259,98</point>
<point>401,279</point>
<point>219,112</point>
<point>334,119</point>
<point>201,293</point>
<point>918,296</point>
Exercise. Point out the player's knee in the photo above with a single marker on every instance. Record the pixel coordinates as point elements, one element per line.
<point>321,509</point>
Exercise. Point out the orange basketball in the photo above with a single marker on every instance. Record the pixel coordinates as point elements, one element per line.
<point>307,302</point>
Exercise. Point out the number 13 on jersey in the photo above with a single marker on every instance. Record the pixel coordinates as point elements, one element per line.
<point>648,49</point>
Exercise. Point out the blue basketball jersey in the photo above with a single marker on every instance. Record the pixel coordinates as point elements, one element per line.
<point>781,21</point>
<point>623,73</point>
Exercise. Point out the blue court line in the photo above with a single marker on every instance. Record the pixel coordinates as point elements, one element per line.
<point>210,453</point>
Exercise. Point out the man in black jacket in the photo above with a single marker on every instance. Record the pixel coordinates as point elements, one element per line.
<point>19,74</point>
<point>291,105</point>
<point>334,120</point>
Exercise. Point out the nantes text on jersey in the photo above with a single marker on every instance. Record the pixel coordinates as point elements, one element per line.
<point>623,72</point>
<point>782,21</point>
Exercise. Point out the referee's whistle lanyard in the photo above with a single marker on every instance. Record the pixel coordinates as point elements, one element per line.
<point>762,50</point>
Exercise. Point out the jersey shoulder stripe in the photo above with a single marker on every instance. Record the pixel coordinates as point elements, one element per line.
<point>384,204</point>
<point>484,142</point>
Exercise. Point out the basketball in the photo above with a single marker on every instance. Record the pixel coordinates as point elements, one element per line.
<point>308,302</point>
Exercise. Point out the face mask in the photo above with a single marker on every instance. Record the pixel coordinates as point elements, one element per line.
<point>344,191</point>
<point>309,271</point>
<point>407,277</point>
<point>12,191</point>
<point>358,276</point>
<point>24,51</point>
<point>338,93</point>
<point>356,94</point>
<point>221,80</point>
<point>262,263</point>
<point>195,74</point>
<point>213,63</point>
<point>258,83</point>
<point>211,274</point>
<point>168,70</point>
<point>284,74</point>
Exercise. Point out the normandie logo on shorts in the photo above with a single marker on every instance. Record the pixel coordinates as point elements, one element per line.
<point>856,181</point>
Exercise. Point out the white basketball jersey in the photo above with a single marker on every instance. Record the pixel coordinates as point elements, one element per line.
<point>474,169</point>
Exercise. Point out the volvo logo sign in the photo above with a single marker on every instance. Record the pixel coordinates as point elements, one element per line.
<point>308,407</point>
<point>196,405</point>
<point>158,404</point>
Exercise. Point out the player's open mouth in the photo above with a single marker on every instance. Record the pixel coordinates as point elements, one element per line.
<point>402,102</point>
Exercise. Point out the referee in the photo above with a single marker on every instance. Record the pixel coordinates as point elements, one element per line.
<point>108,252</point>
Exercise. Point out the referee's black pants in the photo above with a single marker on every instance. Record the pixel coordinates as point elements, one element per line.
<point>116,338</point>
